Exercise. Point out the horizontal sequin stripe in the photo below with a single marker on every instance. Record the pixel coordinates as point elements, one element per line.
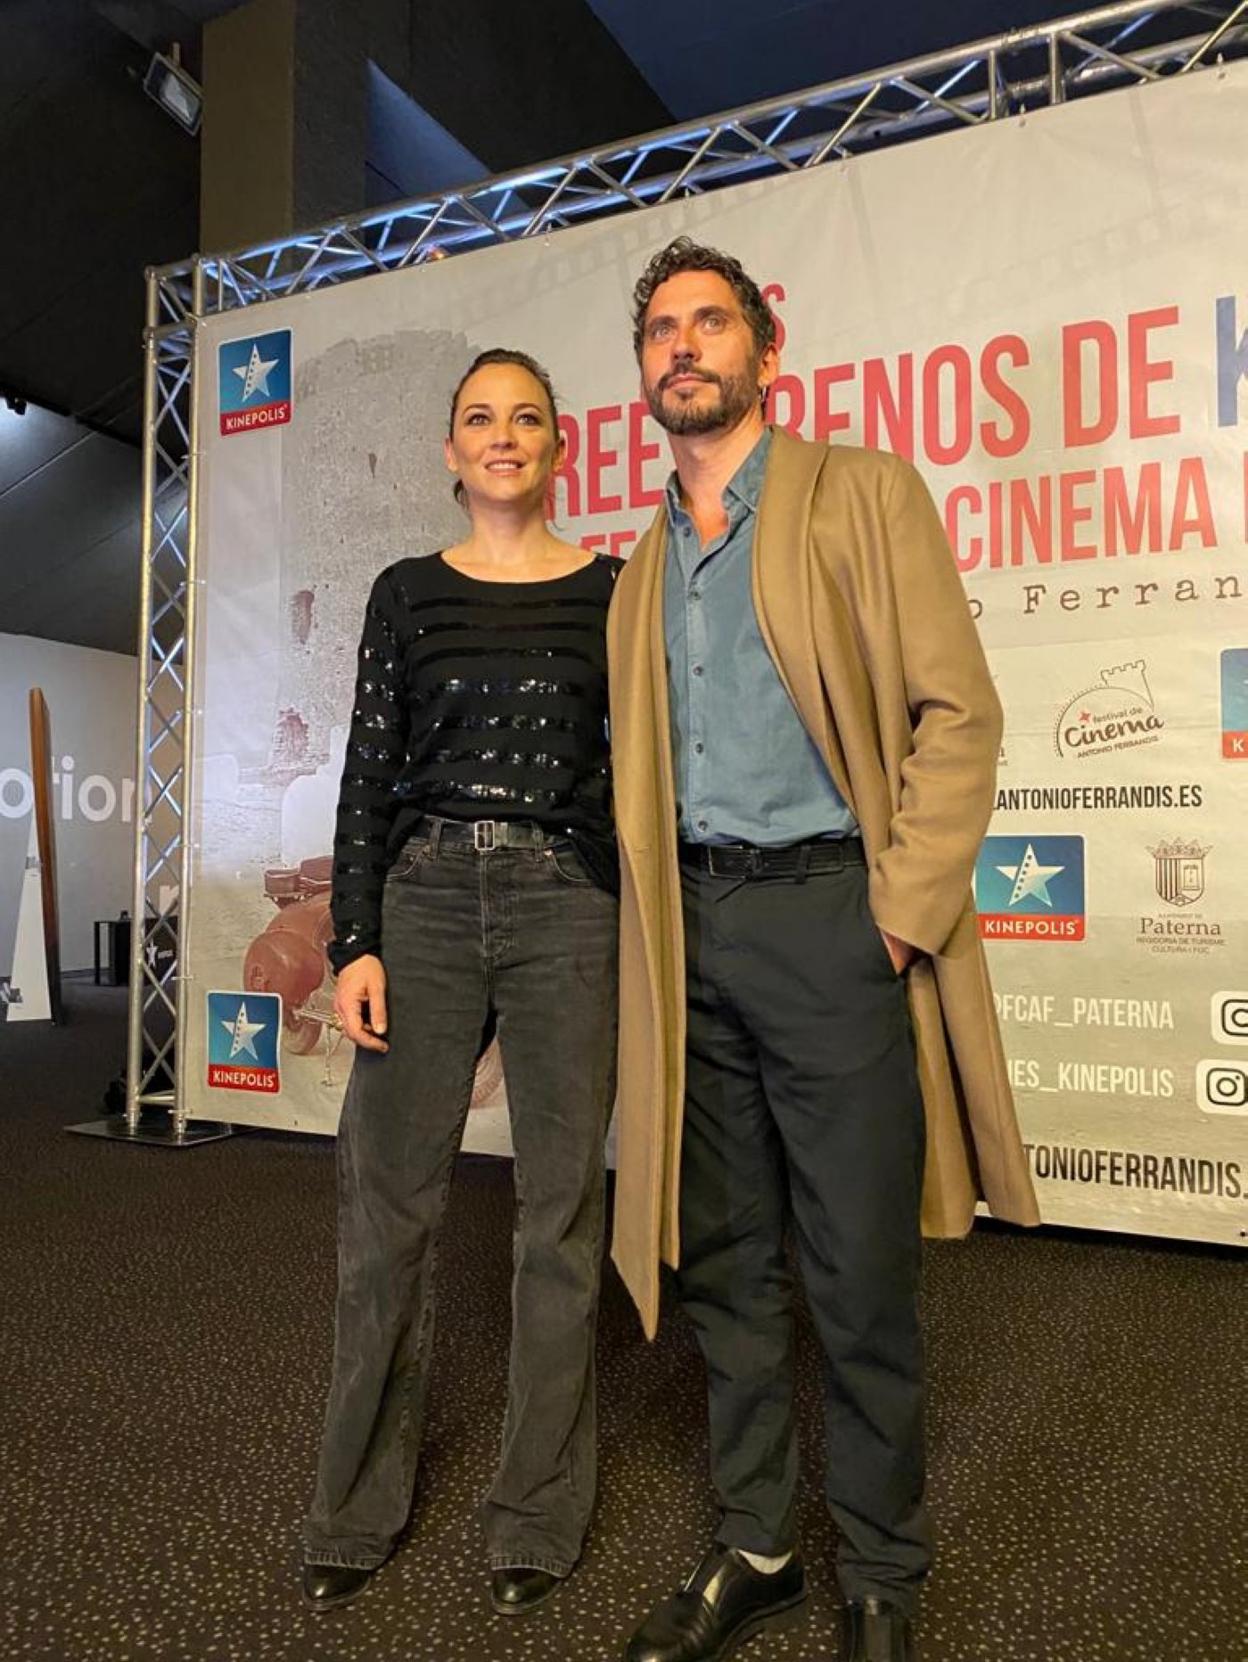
<point>514,796</point>
<point>519,721</point>
<point>489,757</point>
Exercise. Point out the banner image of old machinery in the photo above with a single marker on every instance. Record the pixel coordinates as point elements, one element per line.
<point>1050,318</point>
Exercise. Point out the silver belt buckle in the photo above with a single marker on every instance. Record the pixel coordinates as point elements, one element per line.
<point>483,835</point>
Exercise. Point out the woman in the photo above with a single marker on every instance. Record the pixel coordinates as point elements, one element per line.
<point>473,887</point>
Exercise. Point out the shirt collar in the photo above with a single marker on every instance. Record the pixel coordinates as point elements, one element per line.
<point>744,488</point>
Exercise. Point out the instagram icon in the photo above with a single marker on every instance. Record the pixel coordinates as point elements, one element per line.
<point>1222,1087</point>
<point>1228,1018</point>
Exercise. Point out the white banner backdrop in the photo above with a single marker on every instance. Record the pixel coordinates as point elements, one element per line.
<point>1047,314</point>
<point>90,698</point>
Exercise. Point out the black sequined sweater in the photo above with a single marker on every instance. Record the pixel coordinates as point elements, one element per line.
<point>473,700</point>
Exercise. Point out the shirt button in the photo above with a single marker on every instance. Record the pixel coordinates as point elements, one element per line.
<point>703,826</point>
<point>695,594</point>
<point>698,748</point>
<point>697,669</point>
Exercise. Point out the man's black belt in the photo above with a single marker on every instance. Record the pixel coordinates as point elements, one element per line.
<point>746,860</point>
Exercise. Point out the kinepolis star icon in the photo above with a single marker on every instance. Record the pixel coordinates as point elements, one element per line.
<point>254,382</point>
<point>1116,713</point>
<point>254,374</point>
<point>243,1033</point>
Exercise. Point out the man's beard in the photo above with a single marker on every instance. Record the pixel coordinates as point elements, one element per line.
<point>738,394</point>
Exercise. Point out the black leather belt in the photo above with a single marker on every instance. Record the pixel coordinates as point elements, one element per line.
<point>746,860</point>
<point>484,835</point>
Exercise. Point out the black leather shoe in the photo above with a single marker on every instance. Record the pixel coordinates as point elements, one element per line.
<point>326,1586</point>
<point>514,1592</point>
<point>875,1631</point>
<point>724,1602</point>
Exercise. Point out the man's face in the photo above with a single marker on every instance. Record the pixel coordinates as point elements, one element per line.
<point>701,370</point>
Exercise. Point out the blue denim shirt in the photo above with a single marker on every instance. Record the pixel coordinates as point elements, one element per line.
<point>746,768</point>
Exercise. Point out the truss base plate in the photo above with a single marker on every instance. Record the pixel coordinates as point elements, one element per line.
<point>160,1134</point>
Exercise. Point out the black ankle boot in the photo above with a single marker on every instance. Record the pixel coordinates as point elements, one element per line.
<point>517,1590</point>
<point>326,1586</point>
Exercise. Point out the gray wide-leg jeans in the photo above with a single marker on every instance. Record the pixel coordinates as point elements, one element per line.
<point>525,936</point>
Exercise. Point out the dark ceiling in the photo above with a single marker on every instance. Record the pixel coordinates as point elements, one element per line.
<point>96,183</point>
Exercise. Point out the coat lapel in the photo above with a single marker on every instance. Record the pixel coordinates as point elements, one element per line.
<point>781,581</point>
<point>645,796</point>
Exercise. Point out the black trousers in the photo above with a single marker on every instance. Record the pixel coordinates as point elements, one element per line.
<point>526,935</point>
<point>803,1104</point>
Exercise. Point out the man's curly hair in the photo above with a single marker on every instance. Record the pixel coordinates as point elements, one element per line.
<point>683,254</point>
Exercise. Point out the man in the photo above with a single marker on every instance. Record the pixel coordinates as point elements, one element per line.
<point>804,736</point>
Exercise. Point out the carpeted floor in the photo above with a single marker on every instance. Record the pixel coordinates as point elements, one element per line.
<point>166,1349</point>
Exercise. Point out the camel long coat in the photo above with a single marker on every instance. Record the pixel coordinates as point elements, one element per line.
<point>863,612</point>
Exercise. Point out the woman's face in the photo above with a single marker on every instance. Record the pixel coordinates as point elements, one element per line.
<point>504,444</point>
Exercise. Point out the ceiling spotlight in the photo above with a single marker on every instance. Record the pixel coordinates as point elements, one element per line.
<point>174,90</point>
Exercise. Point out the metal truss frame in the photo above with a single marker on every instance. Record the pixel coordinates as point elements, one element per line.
<point>1103,49</point>
<point>155,1058</point>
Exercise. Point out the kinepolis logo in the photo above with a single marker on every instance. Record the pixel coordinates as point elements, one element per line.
<point>1031,888</point>
<point>254,382</point>
<point>1179,878</point>
<point>1235,703</point>
<point>244,1041</point>
<point>1117,713</point>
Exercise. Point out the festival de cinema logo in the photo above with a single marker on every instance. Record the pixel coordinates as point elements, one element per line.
<point>254,382</point>
<point>1031,889</point>
<point>1235,704</point>
<point>1115,713</point>
<point>244,1034</point>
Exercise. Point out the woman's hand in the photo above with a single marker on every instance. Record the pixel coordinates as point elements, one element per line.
<point>360,1002</point>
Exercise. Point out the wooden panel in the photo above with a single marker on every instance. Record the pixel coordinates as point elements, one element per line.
<point>45,831</point>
